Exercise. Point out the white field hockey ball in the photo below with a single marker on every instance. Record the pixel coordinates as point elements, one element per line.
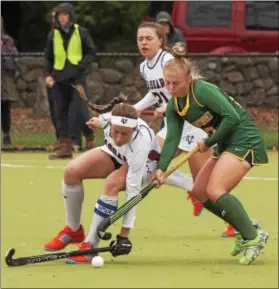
<point>97,262</point>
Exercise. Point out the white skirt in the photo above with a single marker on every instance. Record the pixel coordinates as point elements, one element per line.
<point>190,136</point>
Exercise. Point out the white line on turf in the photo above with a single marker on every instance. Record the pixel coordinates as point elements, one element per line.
<point>30,166</point>
<point>53,167</point>
<point>261,179</point>
<point>17,166</point>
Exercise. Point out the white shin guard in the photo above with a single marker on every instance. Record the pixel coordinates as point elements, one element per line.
<point>104,207</point>
<point>180,180</point>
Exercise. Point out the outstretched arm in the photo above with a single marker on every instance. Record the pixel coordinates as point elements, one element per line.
<point>175,126</point>
<point>147,101</point>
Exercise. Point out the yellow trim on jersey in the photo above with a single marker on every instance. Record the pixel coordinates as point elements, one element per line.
<point>195,99</point>
<point>184,111</point>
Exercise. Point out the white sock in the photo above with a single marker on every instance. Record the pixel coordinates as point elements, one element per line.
<point>104,207</point>
<point>180,180</point>
<point>73,199</point>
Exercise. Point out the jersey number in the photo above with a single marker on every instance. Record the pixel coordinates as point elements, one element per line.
<point>161,97</point>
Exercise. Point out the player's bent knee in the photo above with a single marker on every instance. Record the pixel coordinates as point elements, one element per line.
<point>71,174</point>
<point>214,193</point>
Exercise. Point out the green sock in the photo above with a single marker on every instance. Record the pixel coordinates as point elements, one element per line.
<point>235,214</point>
<point>211,207</point>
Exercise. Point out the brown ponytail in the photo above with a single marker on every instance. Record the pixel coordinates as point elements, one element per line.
<point>125,110</point>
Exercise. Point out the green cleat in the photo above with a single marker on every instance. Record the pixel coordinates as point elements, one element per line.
<point>239,242</point>
<point>238,245</point>
<point>256,224</point>
<point>252,248</point>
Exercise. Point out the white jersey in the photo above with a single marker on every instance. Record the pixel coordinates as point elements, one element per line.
<point>135,153</point>
<point>142,155</point>
<point>152,72</point>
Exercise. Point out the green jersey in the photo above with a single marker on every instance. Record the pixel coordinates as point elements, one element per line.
<point>214,111</point>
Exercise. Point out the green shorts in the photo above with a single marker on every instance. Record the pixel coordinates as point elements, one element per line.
<point>245,144</point>
<point>255,157</point>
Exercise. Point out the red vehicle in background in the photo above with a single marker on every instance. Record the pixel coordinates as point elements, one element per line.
<point>225,26</point>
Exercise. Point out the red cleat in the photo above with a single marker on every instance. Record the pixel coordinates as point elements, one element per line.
<point>230,232</point>
<point>65,237</point>
<point>198,206</point>
<point>83,259</point>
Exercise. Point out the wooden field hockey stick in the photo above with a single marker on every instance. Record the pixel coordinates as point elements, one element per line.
<point>103,226</point>
<point>100,108</point>
<point>82,93</point>
<point>49,257</point>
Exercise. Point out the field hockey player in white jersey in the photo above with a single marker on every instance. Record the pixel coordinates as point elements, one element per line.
<point>150,40</point>
<point>127,161</point>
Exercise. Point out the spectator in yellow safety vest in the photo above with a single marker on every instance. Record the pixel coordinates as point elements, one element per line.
<point>68,55</point>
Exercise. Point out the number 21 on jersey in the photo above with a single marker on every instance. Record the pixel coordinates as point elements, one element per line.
<point>160,97</point>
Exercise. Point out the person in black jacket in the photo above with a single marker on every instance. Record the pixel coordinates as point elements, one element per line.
<point>68,55</point>
<point>49,89</point>
<point>8,87</point>
<point>173,34</point>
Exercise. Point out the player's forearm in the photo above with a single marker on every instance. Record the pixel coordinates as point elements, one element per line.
<point>168,152</point>
<point>147,101</point>
<point>174,125</point>
<point>226,128</point>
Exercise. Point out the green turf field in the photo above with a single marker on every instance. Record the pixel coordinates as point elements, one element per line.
<point>171,248</point>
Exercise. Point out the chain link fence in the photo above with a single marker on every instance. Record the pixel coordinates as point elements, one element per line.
<point>252,79</point>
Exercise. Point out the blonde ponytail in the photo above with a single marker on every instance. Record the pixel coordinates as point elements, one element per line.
<point>181,63</point>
